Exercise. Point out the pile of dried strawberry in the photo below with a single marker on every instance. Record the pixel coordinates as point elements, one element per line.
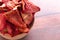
<point>16,15</point>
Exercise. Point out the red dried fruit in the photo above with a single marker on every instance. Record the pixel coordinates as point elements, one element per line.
<point>16,1</point>
<point>2,22</point>
<point>10,4</point>
<point>5,1</point>
<point>31,8</point>
<point>18,16</point>
<point>9,29</point>
<point>27,17</point>
<point>25,30</point>
<point>15,19</point>
<point>4,31</point>
<point>16,32</point>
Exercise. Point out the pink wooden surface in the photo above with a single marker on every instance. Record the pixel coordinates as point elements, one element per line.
<point>45,28</point>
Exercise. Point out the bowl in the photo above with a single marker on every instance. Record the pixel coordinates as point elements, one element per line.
<point>7,36</point>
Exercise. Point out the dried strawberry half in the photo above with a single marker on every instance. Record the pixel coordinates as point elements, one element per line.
<point>27,17</point>
<point>30,7</point>
<point>2,22</point>
<point>15,19</point>
<point>5,1</point>
<point>9,29</point>
<point>10,4</point>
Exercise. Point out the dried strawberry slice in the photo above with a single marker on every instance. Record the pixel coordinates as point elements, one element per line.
<point>10,4</point>
<point>15,18</point>
<point>30,7</point>
<point>2,22</point>
<point>16,32</point>
<point>16,1</point>
<point>4,31</point>
<point>9,29</point>
<point>28,17</point>
<point>4,9</point>
<point>25,30</point>
<point>5,1</point>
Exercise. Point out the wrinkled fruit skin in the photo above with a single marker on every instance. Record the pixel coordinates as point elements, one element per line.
<point>16,16</point>
<point>2,22</point>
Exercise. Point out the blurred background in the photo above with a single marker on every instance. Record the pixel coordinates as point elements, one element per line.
<point>47,7</point>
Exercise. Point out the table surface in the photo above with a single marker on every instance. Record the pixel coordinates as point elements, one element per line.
<point>47,21</point>
<point>45,28</point>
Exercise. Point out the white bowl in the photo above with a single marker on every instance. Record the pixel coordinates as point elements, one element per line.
<point>7,36</point>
